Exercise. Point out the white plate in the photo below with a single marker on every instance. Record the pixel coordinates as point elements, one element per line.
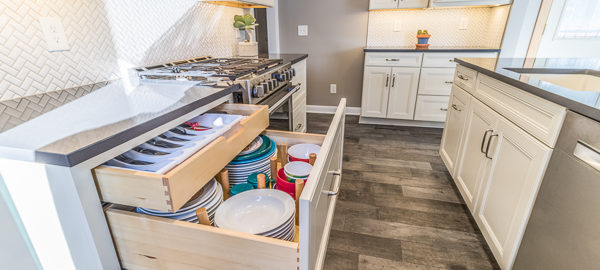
<point>255,211</point>
<point>303,150</point>
<point>297,169</point>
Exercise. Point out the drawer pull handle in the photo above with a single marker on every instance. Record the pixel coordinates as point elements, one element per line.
<point>463,77</point>
<point>449,82</point>
<point>451,60</point>
<point>336,188</point>
<point>487,149</point>
<point>456,108</point>
<point>392,59</point>
<point>298,126</point>
<point>483,141</point>
<point>444,109</point>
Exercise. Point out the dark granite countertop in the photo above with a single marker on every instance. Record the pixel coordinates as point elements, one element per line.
<point>583,102</point>
<point>287,57</point>
<point>77,130</point>
<point>431,49</point>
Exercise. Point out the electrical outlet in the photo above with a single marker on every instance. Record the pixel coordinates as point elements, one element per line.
<point>464,22</point>
<point>397,25</point>
<point>54,34</point>
<point>332,88</point>
<point>302,30</point>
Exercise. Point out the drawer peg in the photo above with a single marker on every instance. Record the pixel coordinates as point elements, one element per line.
<point>203,216</point>
<point>312,158</point>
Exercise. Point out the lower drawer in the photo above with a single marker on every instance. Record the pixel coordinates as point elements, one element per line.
<point>149,242</point>
<point>431,108</point>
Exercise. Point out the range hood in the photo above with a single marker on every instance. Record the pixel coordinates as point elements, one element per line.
<point>243,3</point>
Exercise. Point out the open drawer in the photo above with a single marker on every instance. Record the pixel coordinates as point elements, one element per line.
<point>171,190</point>
<point>148,242</point>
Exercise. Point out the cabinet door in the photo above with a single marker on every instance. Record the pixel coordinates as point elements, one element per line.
<point>518,162</point>
<point>413,3</point>
<point>376,84</point>
<point>403,93</point>
<point>383,4</point>
<point>454,127</point>
<point>480,125</point>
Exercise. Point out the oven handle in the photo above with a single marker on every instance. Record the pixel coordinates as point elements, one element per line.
<point>285,98</point>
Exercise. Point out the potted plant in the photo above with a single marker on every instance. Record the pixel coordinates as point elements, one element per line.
<point>423,39</point>
<point>246,23</point>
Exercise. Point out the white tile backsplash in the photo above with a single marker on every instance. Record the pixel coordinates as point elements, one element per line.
<point>105,37</point>
<point>484,29</point>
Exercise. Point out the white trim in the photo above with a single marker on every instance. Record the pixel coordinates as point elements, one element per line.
<point>399,122</point>
<point>331,109</point>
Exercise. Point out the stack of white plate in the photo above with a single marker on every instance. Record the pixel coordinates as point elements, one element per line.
<point>266,212</point>
<point>210,197</point>
<point>254,159</point>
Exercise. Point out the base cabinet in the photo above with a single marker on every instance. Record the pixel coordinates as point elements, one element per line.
<point>456,117</point>
<point>299,98</point>
<point>376,88</point>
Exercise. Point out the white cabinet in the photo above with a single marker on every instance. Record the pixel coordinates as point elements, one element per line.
<point>436,81</point>
<point>376,89</point>
<point>403,93</point>
<point>464,3</point>
<point>299,98</point>
<point>393,4</point>
<point>431,108</point>
<point>452,135</point>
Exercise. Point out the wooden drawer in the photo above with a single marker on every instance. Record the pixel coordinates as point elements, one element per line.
<point>541,118</point>
<point>148,242</point>
<point>393,59</point>
<point>447,59</point>
<point>170,191</point>
<point>465,78</point>
<point>431,108</point>
<point>436,81</point>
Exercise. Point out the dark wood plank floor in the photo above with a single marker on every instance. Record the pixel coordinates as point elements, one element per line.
<point>398,207</point>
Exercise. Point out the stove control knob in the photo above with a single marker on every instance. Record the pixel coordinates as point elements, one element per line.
<point>258,91</point>
<point>293,72</point>
<point>271,83</point>
<point>266,86</point>
<point>289,74</point>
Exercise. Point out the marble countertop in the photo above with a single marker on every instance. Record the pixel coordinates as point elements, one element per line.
<point>119,111</point>
<point>583,102</point>
<point>431,49</point>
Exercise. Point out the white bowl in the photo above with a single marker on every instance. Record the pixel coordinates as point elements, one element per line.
<point>297,169</point>
<point>255,211</point>
<point>303,150</point>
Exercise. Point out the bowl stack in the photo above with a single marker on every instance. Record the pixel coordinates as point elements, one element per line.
<point>302,151</point>
<point>254,159</point>
<point>210,197</point>
<point>266,212</point>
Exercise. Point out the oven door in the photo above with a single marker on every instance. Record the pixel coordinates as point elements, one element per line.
<point>281,107</point>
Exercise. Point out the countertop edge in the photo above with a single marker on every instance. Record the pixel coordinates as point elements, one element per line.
<point>574,106</point>
<point>298,59</point>
<point>430,50</point>
<point>76,157</point>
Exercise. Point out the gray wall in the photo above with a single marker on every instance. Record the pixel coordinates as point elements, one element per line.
<point>337,33</point>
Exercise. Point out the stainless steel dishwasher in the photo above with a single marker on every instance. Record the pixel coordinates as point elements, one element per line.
<point>564,228</point>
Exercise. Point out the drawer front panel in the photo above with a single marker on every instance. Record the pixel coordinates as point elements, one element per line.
<point>148,242</point>
<point>431,108</point>
<point>541,118</point>
<point>465,78</point>
<point>436,81</point>
<point>447,59</point>
<point>393,59</point>
<point>170,191</point>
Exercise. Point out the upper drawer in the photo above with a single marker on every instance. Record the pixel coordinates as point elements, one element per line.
<point>171,190</point>
<point>541,118</point>
<point>393,59</point>
<point>436,81</point>
<point>447,59</point>
<point>465,78</point>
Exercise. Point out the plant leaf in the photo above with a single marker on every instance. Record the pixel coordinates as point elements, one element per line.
<point>239,18</point>
<point>249,19</point>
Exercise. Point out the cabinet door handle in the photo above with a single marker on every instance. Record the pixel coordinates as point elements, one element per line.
<point>449,82</point>
<point>487,149</point>
<point>483,141</point>
<point>394,80</point>
<point>444,109</point>
<point>392,59</point>
<point>387,80</point>
<point>456,108</point>
<point>463,77</point>
<point>298,126</point>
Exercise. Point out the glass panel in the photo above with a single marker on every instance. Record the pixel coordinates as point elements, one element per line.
<point>580,19</point>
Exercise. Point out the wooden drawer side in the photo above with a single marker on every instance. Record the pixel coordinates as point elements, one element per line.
<point>147,242</point>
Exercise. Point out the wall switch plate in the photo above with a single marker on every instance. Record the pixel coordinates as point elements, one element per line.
<point>464,22</point>
<point>332,88</point>
<point>397,25</point>
<point>302,30</point>
<point>54,34</point>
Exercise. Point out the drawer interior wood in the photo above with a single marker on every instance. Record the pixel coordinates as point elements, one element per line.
<point>170,191</point>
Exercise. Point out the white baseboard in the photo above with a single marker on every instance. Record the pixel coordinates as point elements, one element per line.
<point>399,122</point>
<point>331,109</point>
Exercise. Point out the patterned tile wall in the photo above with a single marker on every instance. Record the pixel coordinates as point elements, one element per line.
<point>105,38</point>
<point>485,26</point>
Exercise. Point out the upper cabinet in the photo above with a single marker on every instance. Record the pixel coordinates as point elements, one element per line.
<point>408,4</point>
<point>394,4</point>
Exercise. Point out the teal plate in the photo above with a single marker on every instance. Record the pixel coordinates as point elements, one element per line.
<point>263,150</point>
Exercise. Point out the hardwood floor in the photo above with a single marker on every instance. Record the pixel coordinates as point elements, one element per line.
<point>398,207</point>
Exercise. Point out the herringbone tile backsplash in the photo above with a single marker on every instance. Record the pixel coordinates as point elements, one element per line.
<point>106,37</point>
